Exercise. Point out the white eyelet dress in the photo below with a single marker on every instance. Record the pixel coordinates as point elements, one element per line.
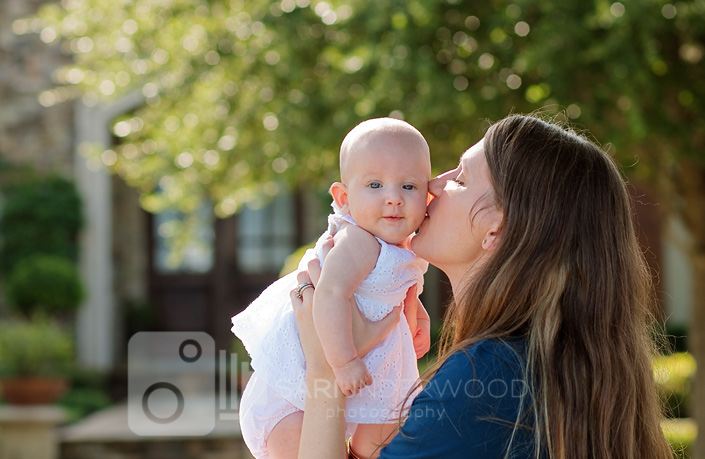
<point>268,330</point>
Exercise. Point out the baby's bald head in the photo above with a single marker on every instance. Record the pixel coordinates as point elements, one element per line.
<point>369,133</point>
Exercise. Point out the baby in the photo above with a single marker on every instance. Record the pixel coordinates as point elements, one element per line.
<point>380,201</point>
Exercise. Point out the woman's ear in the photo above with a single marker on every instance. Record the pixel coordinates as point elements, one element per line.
<point>340,195</point>
<point>493,235</point>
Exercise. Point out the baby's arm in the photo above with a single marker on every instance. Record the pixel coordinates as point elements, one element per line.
<point>351,259</point>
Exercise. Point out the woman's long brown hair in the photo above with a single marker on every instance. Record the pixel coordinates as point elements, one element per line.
<point>569,275</point>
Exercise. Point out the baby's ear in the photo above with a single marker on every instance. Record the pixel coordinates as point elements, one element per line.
<point>340,195</point>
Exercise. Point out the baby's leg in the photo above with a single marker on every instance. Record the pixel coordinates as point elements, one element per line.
<point>283,441</point>
<point>370,438</point>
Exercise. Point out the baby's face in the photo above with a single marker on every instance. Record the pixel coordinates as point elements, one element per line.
<point>387,186</point>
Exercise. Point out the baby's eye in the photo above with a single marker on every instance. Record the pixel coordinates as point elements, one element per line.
<point>375,185</point>
<point>458,181</point>
<point>408,187</point>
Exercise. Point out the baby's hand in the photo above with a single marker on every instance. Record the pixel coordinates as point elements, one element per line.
<point>352,377</point>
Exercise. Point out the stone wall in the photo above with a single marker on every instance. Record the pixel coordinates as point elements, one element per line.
<point>30,132</point>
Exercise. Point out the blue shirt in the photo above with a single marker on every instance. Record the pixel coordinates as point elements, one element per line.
<point>469,407</point>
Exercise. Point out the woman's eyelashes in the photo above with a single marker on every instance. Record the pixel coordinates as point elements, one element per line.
<point>460,177</point>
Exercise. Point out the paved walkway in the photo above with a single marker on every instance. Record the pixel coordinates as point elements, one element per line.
<point>107,435</point>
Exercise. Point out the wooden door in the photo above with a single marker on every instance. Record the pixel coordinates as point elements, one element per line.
<point>235,259</point>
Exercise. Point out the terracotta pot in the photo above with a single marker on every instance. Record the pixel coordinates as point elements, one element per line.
<point>32,390</point>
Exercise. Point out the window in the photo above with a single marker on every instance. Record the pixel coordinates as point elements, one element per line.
<point>266,236</point>
<point>182,250</point>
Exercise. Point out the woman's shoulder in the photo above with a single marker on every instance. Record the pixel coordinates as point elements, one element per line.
<point>495,353</point>
<point>494,362</point>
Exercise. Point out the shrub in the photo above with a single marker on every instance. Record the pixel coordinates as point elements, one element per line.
<point>44,283</point>
<point>39,215</point>
<point>38,347</point>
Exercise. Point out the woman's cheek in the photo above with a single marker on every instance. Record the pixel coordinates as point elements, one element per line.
<point>413,243</point>
<point>419,241</point>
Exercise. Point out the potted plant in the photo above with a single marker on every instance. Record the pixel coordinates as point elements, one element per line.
<point>36,357</point>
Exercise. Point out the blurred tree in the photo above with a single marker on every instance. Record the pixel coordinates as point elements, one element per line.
<point>245,97</point>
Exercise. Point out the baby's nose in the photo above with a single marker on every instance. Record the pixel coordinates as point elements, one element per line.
<point>394,199</point>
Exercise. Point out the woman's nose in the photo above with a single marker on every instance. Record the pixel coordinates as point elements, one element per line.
<point>436,185</point>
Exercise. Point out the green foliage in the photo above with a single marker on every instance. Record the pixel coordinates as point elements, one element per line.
<point>39,215</point>
<point>630,71</point>
<point>681,434</point>
<point>291,263</point>
<point>87,394</point>
<point>140,315</point>
<point>80,402</point>
<point>239,350</point>
<point>677,337</point>
<point>674,375</point>
<point>38,347</point>
<point>245,97</point>
<point>239,370</point>
<point>44,283</point>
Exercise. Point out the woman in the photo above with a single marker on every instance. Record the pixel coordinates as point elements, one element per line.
<point>546,348</point>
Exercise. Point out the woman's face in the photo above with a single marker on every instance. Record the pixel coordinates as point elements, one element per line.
<point>462,221</point>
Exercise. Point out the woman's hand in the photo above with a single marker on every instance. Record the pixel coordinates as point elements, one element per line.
<point>303,310</point>
<point>419,322</point>
<point>368,334</point>
<point>323,428</point>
